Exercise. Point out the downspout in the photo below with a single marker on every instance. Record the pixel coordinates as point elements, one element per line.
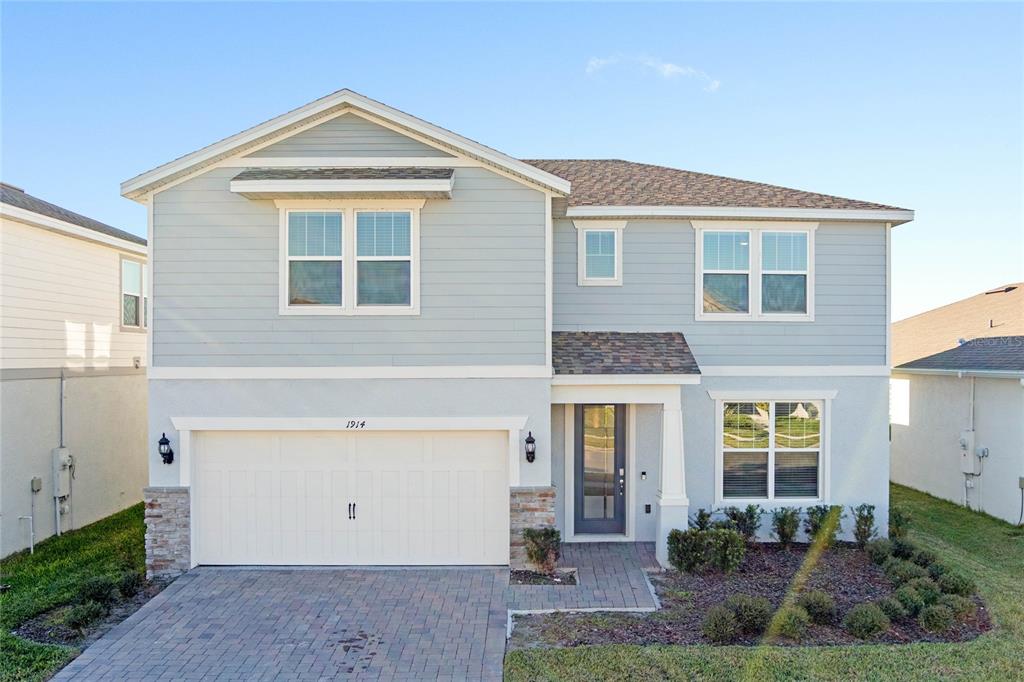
<point>56,500</point>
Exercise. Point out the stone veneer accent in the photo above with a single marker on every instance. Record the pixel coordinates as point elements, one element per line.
<point>168,541</point>
<point>529,508</point>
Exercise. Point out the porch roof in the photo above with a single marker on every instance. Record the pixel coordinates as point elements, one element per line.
<point>621,353</point>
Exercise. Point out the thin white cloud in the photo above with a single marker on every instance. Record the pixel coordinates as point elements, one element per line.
<point>666,70</point>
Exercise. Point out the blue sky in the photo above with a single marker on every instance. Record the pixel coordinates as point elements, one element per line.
<point>915,105</point>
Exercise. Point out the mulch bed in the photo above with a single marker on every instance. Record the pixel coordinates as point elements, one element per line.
<point>844,572</point>
<point>48,627</point>
<point>522,577</point>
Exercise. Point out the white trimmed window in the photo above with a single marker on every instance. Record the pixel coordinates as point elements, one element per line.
<point>748,272</point>
<point>599,252</point>
<point>350,258</point>
<point>134,304</point>
<point>771,450</point>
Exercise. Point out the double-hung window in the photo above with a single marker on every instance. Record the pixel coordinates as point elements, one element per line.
<point>755,272</point>
<point>770,450</point>
<point>350,258</point>
<point>599,247</point>
<point>134,304</point>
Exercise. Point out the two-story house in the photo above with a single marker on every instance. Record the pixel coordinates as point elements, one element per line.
<point>375,341</point>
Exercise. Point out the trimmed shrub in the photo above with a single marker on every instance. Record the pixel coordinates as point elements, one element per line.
<point>785,524</point>
<point>745,521</point>
<point>903,549</point>
<point>956,583</point>
<point>129,583</point>
<point>543,547</point>
<point>863,523</point>
<point>865,621</point>
<point>752,613</point>
<point>927,588</point>
<point>720,626</point>
<point>80,615</point>
<point>823,522</point>
<point>910,599</point>
<point>924,558</point>
<point>892,608</point>
<point>935,618</point>
<point>702,520</point>
<point>936,570</point>
<point>878,550</point>
<point>687,549</point>
<point>99,588</point>
<point>960,606</point>
<point>900,571</point>
<point>792,622</point>
<point>726,549</point>
<point>899,520</point>
<point>819,606</point>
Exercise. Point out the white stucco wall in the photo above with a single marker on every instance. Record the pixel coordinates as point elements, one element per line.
<point>926,453</point>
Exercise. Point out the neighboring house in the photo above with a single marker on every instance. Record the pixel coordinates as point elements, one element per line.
<point>996,312</point>
<point>72,369</point>
<point>958,422</point>
<point>363,323</point>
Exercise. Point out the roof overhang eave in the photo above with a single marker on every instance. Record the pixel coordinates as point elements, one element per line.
<point>893,216</point>
<point>979,373</point>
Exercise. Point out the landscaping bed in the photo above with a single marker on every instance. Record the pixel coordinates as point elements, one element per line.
<point>845,573</point>
<point>526,577</point>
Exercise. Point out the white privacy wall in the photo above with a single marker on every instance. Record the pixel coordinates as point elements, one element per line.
<point>926,452</point>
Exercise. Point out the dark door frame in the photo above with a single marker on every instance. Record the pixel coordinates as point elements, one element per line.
<point>616,525</point>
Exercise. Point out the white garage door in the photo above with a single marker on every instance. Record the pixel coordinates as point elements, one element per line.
<point>371,498</point>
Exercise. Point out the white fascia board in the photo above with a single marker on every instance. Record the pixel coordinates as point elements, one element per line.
<point>349,423</point>
<point>980,373</point>
<point>348,162</point>
<point>138,185</point>
<point>306,186</point>
<point>794,370</point>
<point>875,215</point>
<point>70,229</point>
<point>772,394</point>
<point>624,379</point>
<point>389,372</point>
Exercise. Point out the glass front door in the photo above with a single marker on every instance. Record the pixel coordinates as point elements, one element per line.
<point>600,469</point>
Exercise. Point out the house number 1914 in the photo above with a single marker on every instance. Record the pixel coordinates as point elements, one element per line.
<point>355,424</point>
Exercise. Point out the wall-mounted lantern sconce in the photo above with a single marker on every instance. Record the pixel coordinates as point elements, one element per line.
<point>531,447</point>
<point>164,448</point>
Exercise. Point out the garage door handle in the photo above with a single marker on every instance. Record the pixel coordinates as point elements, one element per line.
<point>353,510</point>
<point>350,510</point>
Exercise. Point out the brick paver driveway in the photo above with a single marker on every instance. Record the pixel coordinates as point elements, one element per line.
<point>308,623</point>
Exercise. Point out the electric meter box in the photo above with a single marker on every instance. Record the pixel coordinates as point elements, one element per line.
<point>969,462</point>
<point>61,472</point>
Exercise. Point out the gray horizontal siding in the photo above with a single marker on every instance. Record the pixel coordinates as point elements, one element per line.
<point>658,295</point>
<point>348,135</point>
<point>215,279</point>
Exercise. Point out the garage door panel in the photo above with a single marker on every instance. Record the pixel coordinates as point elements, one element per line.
<point>283,498</point>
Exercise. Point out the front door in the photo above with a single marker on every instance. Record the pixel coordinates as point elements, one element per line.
<point>600,468</point>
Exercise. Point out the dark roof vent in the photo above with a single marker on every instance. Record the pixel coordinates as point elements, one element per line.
<point>1001,290</point>
<point>13,188</point>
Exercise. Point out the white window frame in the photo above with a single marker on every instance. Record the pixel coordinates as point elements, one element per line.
<point>143,298</point>
<point>824,449</point>
<point>755,231</point>
<point>348,208</point>
<point>617,227</point>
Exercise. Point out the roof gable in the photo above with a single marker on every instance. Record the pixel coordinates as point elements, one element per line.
<point>320,111</point>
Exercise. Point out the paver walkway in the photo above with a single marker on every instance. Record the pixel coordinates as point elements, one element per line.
<point>352,623</point>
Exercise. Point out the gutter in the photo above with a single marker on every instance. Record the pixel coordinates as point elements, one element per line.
<point>960,373</point>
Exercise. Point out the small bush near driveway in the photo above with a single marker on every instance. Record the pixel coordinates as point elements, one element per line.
<point>543,547</point>
<point>791,622</point>
<point>865,621</point>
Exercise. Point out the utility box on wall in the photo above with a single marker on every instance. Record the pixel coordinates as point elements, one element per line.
<point>969,463</point>
<point>61,472</point>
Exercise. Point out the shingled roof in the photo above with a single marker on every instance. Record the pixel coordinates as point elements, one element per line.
<point>992,354</point>
<point>345,174</point>
<point>621,353</point>
<point>614,182</point>
<point>19,198</point>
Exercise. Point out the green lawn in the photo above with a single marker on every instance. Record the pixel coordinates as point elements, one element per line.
<point>52,576</point>
<point>986,549</point>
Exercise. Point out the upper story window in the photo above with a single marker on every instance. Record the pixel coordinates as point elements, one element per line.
<point>329,268</point>
<point>755,272</point>
<point>134,303</point>
<point>599,247</point>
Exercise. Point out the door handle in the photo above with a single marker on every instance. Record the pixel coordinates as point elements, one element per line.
<point>350,511</point>
<point>622,486</point>
<point>353,510</point>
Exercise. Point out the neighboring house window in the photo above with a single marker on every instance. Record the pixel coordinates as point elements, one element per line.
<point>755,273</point>
<point>599,246</point>
<point>771,450</point>
<point>315,261</point>
<point>134,304</point>
<point>355,257</point>
<point>384,257</point>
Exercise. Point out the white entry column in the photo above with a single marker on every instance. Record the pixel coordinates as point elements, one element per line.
<point>673,505</point>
